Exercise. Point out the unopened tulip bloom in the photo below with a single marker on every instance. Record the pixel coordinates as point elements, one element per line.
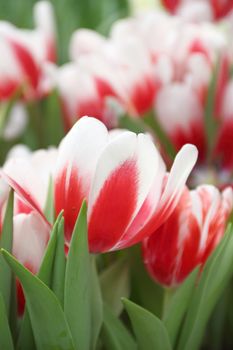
<point>25,54</point>
<point>122,177</point>
<point>189,235</point>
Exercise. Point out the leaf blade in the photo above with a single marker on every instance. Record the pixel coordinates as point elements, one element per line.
<point>149,330</point>
<point>77,284</point>
<point>48,321</point>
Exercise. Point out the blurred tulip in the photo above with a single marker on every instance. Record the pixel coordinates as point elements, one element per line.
<point>30,237</point>
<point>30,228</point>
<point>84,93</point>
<point>106,78</point>
<point>199,10</point>
<point>121,175</point>
<point>189,235</point>
<point>32,171</point>
<point>25,53</point>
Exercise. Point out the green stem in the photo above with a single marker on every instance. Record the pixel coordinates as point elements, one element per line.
<point>36,137</point>
<point>152,122</point>
<point>167,296</point>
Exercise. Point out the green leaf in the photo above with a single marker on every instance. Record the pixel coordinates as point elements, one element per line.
<point>149,329</point>
<point>77,297</point>
<point>59,265</point>
<point>6,243</point>
<point>132,124</point>
<point>115,284</point>
<point>144,291</point>
<point>49,207</point>
<point>6,341</point>
<point>52,119</point>
<point>114,334</point>
<point>26,339</point>
<point>48,321</point>
<point>96,304</point>
<point>215,276</point>
<point>178,305</point>
<point>211,125</point>
<point>151,120</point>
<point>46,269</point>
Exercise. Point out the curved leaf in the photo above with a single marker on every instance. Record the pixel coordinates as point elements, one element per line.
<point>48,321</point>
<point>115,284</point>
<point>114,334</point>
<point>5,338</point>
<point>149,330</point>
<point>77,296</point>
<point>214,278</point>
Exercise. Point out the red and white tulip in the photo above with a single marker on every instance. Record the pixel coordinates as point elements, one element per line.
<point>106,78</point>
<point>199,10</point>
<point>31,231</point>
<point>189,235</point>
<point>25,54</point>
<point>122,177</point>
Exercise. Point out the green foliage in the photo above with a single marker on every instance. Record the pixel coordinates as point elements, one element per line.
<point>178,304</point>
<point>96,304</point>
<point>6,341</point>
<point>149,329</point>
<point>77,295</point>
<point>59,267</point>
<point>211,122</point>
<point>214,278</point>
<point>48,321</point>
<point>70,15</point>
<point>115,284</point>
<point>26,339</point>
<point>6,239</point>
<point>144,291</point>
<point>68,306</point>
<point>114,334</point>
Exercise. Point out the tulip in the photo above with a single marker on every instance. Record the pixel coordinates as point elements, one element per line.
<point>83,93</point>
<point>130,72</point>
<point>31,230</point>
<point>30,237</point>
<point>123,179</point>
<point>106,78</point>
<point>32,171</point>
<point>25,54</point>
<point>199,9</point>
<point>189,235</point>
<point>183,117</point>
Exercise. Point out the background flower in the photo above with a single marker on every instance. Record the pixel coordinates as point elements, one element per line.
<point>189,235</point>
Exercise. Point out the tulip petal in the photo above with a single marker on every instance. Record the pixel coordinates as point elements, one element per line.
<point>30,228</point>
<point>78,154</point>
<point>124,176</point>
<point>182,166</point>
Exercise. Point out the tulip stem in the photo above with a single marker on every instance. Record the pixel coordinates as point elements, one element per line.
<point>167,296</point>
<point>36,122</point>
<point>151,121</point>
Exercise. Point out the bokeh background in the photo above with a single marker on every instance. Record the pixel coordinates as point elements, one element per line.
<point>70,15</point>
